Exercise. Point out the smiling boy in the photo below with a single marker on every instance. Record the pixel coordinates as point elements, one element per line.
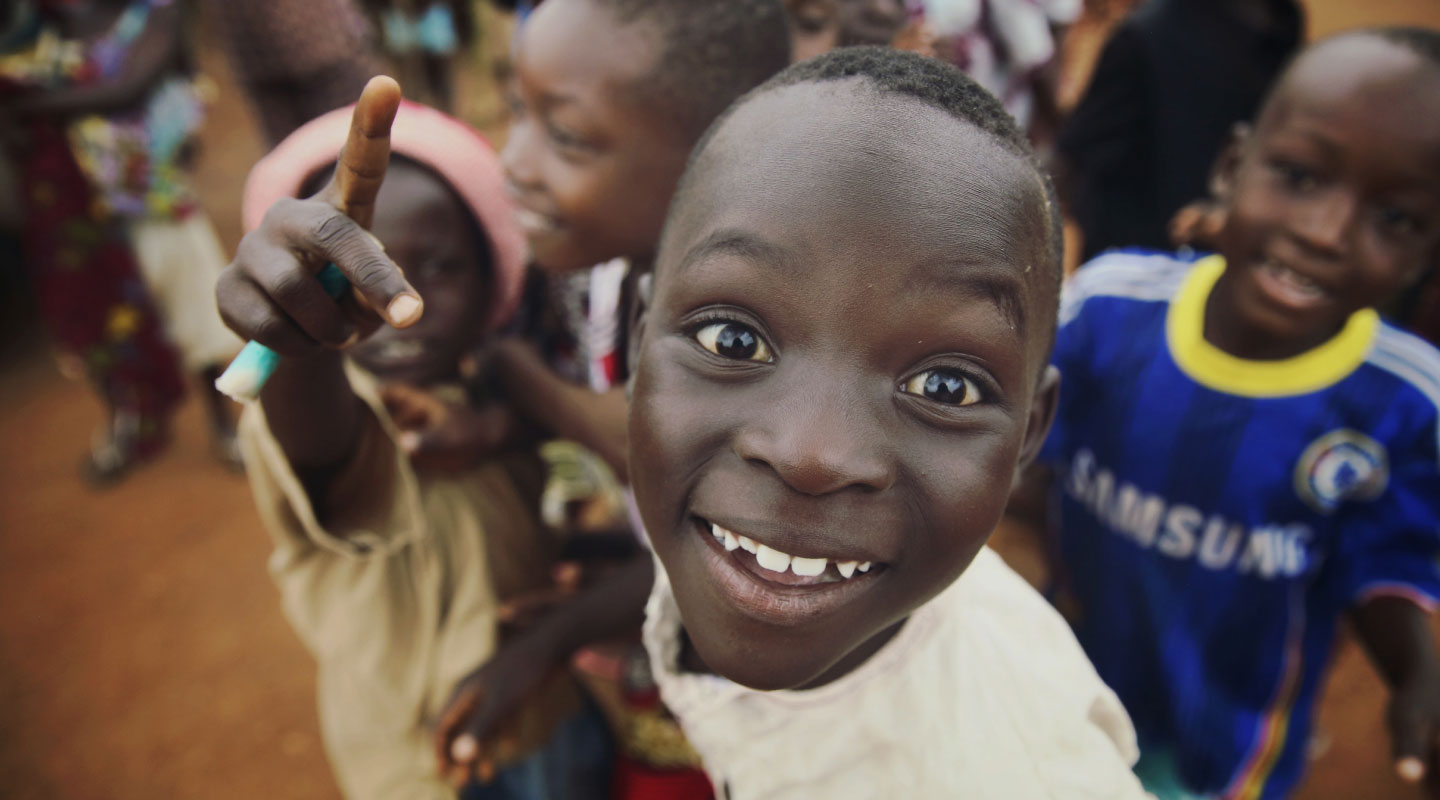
<point>842,369</point>
<point>1247,454</point>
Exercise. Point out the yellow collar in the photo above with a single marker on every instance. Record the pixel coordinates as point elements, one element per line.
<point>1212,367</point>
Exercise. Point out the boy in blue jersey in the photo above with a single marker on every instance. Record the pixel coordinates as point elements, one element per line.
<point>1247,454</point>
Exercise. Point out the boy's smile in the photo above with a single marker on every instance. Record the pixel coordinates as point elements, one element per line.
<point>1333,201</point>
<point>838,371</point>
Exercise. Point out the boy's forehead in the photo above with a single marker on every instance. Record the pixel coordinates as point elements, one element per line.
<point>846,158</point>
<point>1358,69</point>
<point>1376,99</point>
<point>575,49</point>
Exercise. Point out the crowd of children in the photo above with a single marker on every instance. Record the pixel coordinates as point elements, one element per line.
<point>801,293</point>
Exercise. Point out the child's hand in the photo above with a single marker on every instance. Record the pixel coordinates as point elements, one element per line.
<point>1414,721</point>
<point>472,735</point>
<point>269,293</point>
<point>444,437</point>
<point>525,610</point>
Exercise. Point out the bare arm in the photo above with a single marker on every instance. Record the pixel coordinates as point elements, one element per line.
<point>1401,641</point>
<point>613,606</point>
<point>155,50</point>
<point>596,421</point>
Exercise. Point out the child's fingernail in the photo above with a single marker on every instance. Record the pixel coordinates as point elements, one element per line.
<point>409,441</point>
<point>403,309</point>
<point>464,748</point>
<point>1410,769</point>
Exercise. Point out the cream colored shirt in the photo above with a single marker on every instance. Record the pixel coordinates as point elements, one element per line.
<point>396,597</point>
<point>984,694</point>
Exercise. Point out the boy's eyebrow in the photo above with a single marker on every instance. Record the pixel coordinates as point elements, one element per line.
<point>729,241</point>
<point>971,278</point>
<point>1000,286</point>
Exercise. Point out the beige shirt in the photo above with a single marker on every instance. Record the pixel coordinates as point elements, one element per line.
<point>397,596</point>
<point>983,694</point>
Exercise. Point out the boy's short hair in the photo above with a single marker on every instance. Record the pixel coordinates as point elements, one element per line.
<point>934,83</point>
<point>1423,42</point>
<point>713,52</point>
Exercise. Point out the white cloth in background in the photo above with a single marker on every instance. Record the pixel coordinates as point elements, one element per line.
<point>181,260</point>
<point>1002,44</point>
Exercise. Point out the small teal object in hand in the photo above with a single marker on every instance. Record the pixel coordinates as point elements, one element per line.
<point>247,374</point>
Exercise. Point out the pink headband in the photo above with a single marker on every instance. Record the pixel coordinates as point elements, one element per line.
<point>450,147</point>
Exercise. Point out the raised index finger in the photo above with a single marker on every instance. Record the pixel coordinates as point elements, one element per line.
<point>361,167</point>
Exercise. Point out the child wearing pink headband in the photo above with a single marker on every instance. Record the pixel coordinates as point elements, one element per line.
<point>393,578</point>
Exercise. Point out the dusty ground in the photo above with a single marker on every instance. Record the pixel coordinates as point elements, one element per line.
<point>142,650</point>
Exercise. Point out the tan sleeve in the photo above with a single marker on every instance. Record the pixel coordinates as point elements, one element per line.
<point>368,592</point>
<point>375,502</point>
<point>376,749</point>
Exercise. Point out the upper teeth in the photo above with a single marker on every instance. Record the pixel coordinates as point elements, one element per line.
<point>401,348</point>
<point>776,561</point>
<point>1299,282</point>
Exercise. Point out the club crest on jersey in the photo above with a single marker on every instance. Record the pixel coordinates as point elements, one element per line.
<point>1342,465</point>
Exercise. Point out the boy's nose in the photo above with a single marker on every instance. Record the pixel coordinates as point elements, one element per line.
<point>819,445</point>
<point>517,158</point>
<point>1327,222</point>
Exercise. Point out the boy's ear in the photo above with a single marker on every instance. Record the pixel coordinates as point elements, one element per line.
<point>1222,172</point>
<point>1042,416</point>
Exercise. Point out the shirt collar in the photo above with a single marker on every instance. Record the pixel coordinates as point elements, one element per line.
<point>1313,370</point>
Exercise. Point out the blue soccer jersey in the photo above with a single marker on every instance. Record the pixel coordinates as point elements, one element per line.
<point>1220,515</point>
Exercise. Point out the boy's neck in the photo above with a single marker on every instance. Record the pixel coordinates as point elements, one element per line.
<point>690,660</point>
<point>1229,332</point>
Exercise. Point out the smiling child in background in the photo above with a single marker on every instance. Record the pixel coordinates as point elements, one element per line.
<point>1247,453</point>
<point>609,97</point>
<point>393,578</point>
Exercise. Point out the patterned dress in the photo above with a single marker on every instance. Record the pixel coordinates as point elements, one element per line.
<point>91,294</point>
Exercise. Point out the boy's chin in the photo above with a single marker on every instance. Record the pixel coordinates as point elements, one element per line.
<point>768,674</point>
<point>770,663</point>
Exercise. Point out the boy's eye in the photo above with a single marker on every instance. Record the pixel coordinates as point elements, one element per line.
<point>735,341</point>
<point>566,140</point>
<point>1295,176</point>
<point>436,267</point>
<point>943,386</point>
<point>1396,220</point>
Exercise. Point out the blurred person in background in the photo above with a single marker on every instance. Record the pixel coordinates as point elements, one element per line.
<point>1010,47</point>
<point>819,26</point>
<point>109,107</point>
<point>1171,82</point>
<point>296,59</point>
<point>424,39</point>
<point>393,574</point>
